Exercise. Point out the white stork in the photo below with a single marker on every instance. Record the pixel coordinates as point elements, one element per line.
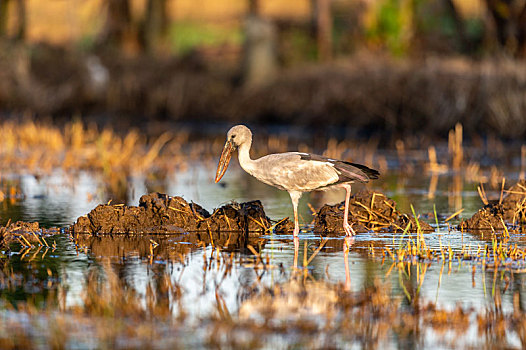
<point>294,172</point>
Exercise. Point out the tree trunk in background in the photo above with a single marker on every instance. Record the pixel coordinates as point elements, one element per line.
<point>20,30</point>
<point>509,17</point>
<point>322,19</point>
<point>253,7</point>
<point>155,26</point>
<point>459,25</point>
<point>21,16</point>
<point>260,63</point>
<point>495,8</point>
<point>521,38</point>
<point>117,30</point>
<point>3,18</point>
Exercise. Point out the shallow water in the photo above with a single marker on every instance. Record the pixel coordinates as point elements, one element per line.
<point>58,199</point>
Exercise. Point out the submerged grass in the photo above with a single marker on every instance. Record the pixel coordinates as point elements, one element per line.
<point>500,254</point>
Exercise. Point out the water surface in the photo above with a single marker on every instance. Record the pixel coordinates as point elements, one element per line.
<point>62,273</point>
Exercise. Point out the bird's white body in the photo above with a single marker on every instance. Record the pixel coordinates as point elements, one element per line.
<point>288,172</point>
<point>294,172</point>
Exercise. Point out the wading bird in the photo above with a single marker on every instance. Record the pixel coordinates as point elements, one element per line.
<point>294,172</point>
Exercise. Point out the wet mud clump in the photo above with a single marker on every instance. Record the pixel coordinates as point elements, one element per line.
<point>28,234</point>
<point>368,211</point>
<point>160,213</point>
<point>495,215</point>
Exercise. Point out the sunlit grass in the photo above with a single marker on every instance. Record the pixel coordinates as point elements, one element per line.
<point>39,148</point>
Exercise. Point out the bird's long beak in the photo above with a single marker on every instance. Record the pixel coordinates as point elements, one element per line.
<point>224,160</point>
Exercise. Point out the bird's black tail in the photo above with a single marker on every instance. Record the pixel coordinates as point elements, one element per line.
<point>371,173</point>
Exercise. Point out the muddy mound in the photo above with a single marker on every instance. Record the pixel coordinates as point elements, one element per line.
<point>511,211</point>
<point>284,226</point>
<point>489,217</point>
<point>368,211</point>
<point>28,234</point>
<point>159,213</point>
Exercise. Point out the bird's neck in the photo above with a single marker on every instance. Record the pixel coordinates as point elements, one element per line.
<point>244,158</point>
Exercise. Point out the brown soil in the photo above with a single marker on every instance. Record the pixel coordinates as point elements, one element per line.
<point>159,213</point>
<point>511,211</point>
<point>365,216</point>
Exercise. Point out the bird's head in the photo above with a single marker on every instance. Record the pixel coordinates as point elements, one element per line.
<point>236,136</point>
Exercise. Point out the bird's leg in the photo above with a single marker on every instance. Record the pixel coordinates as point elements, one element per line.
<point>348,229</point>
<point>296,222</point>
<point>295,197</point>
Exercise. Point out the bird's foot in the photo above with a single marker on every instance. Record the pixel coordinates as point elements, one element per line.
<point>348,229</point>
<point>349,241</point>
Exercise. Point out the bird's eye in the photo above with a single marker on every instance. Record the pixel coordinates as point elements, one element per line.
<point>233,137</point>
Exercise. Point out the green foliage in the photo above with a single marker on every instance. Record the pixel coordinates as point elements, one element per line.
<point>86,43</point>
<point>397,25</point>
<point>186,35</point>
<point>392,19</point>
<point>297,46</point>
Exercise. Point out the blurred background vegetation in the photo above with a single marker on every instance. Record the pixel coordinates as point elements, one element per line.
<point>183,60</point>
<point>319,29</point>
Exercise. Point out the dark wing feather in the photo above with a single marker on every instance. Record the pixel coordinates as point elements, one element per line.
<point>372,174</point>
<point>348,171</point>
